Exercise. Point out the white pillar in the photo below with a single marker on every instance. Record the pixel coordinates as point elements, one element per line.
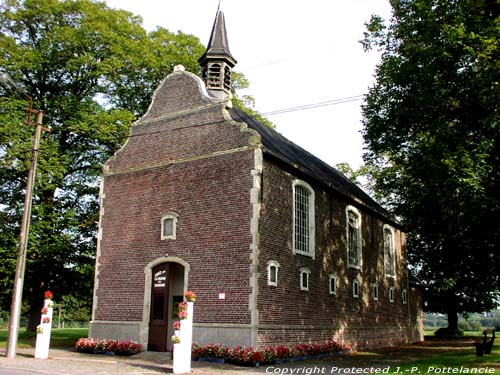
<point>182,351</point>
<point>44,330</point>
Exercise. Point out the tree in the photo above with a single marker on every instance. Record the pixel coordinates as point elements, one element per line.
<point>91,70</point>
<point>432,129</point>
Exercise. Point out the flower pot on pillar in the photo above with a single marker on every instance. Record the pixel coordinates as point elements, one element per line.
<point>182,350</point>
<point>44,329</point>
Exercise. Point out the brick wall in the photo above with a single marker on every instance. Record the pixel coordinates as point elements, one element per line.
<point>213,235</point>
<point>184,157</point>
<point>288,314</point>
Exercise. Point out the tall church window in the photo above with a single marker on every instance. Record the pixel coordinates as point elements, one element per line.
<point>389,252</point>
<point>303,219</point>
<point>353,237</point>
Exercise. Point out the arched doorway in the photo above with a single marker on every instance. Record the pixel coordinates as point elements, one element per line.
<point>167,290</point>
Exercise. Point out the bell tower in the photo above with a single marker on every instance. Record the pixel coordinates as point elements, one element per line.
<point>217,61</point>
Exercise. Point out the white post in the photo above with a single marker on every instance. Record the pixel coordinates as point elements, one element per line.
<point>182,351</point>
<point>44,330</point>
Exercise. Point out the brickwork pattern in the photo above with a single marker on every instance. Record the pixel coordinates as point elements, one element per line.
<point>361,321</point>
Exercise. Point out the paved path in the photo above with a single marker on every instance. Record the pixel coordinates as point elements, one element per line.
<point>67,362</point>
<point>70,362</point>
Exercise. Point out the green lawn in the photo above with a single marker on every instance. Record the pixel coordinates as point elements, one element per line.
<point>455,358</point>
<point>60,337</point>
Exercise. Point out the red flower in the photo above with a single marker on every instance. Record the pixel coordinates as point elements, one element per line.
<point>190,296</point>
<point>46,320</point>
<point>48,295</point>
<point>45,310</point>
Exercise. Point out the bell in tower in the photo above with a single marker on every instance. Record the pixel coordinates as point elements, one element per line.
<point>217,61</point>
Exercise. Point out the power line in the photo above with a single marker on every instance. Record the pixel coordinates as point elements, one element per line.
<point>314,105</point>
<point>270,113</point>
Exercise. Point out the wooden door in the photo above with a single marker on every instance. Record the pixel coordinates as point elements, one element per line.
<point>158,321</point>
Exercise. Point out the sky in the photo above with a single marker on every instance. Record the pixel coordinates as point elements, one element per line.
<point>294,53</point>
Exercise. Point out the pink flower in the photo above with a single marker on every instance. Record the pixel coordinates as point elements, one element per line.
<point>45,310</point>
<point>190,296</point>
<point>46,320</point>
<point>177,325</point>
<point>182,314</point>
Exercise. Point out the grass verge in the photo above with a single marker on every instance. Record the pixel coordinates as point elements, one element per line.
<point>60,337</point>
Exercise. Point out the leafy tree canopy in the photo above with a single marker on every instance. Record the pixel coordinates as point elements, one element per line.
<point>91,70</point>
<point>431,127</point>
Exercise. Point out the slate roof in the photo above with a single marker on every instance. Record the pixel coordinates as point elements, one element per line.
<point>218,45</point>
<point>282,148</point>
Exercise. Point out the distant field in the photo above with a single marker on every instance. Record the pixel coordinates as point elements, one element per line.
<point>60,337</point>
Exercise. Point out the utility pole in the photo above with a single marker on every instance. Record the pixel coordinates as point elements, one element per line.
<point>17,294</point>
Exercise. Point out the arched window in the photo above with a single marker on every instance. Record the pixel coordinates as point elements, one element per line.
<point>303,219</point>
<point>355,289</point>
<point>389,252</point>
<point>391,294</point>
<point>272,273</point>
<point>304,278</point>
<point>353,231</point>
<point>375,291</point>
<point>169,226</point>
<point>404,296</point>
<point>332,281</point>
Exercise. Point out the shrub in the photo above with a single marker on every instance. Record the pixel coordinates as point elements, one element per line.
<point>118,347</point>
<point>247,356</point>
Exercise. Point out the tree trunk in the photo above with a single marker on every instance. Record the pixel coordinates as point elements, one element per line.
<point>452,321</point>
<point>33,319</point>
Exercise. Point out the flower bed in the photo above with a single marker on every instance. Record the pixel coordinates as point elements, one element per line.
<point>118,347</point>
<point>247,356</point>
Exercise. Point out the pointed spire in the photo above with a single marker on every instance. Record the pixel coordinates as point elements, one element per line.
<point>217,60</point>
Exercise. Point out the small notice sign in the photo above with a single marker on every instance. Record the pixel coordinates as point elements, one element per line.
<point>222,295</point>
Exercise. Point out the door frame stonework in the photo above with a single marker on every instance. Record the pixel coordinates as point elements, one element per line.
<point>148,273</point>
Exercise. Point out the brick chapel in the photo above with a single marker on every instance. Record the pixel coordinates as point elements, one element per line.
<point>279,247</point>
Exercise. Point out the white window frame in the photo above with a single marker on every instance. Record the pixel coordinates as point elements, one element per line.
<point>404,296</point>
<point>374,291</point>
<point>391,294</point>
<point>332,278</point>
<point>392,249</point>
<point>311,223</point>
<point>270,265</point>
<point>174,217</point>
<point>359,249</point>
<point>355,288</point>
<point>307,272</point>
